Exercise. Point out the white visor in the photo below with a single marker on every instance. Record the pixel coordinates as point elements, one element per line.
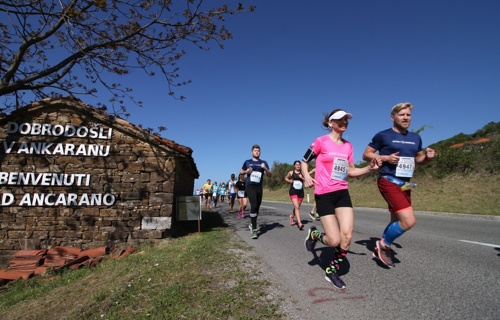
<point>339,115</point>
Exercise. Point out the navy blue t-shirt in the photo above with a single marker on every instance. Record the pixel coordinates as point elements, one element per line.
<point>388,141</point>
<point>257,176</point>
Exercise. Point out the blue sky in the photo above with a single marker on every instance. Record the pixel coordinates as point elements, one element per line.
<point>290,61</point>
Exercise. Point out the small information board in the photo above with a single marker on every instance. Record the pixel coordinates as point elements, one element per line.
<point>189,208</point>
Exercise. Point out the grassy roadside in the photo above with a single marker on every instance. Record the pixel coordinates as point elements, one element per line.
<point>472,194</point>
<point>207,275</point>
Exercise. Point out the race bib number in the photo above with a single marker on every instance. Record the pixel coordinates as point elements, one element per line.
<point>340,169</point>
<point>406,166</point>
<point>297,185</point>
<point>255,176</point>
<point>241,193</point>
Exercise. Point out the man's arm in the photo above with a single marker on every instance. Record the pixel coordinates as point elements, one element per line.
<point>370,154</point>
<point>244,169</point>
<point>268,172</point>
<point>426,157</point>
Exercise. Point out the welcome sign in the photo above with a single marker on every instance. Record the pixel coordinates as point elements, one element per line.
<point>72,175</point>
<point>35,147</point>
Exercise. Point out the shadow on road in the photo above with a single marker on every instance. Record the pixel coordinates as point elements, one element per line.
<point>370,245</point>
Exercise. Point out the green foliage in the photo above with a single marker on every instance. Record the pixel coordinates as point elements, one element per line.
<point>451,160</point>
<point>470,158</point>
<point>422,128</point>
<point>280,170</point>
<point>459,138</point>
<point>482,158</point>
<point>491,130</point>
<point>490,157</point>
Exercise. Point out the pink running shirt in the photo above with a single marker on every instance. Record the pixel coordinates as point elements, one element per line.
<point>328,154</point>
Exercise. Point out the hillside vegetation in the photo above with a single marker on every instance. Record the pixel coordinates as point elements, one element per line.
<point>463,178</point>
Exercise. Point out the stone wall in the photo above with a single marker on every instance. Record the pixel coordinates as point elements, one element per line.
<point>115,187</point>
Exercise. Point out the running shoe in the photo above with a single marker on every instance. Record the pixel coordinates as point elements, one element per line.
<point>253,232</point>
<point>292,221</point>
<point>242,214</point>
<point>383,253</point>
<point>309,242</point>
<point>334,279</point>
<point>238,216</point>
<point>312,215</point>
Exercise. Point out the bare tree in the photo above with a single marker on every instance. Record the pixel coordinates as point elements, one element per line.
<point>70,47</point>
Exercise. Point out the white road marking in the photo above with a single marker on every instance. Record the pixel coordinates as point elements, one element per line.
<point>482,243</point>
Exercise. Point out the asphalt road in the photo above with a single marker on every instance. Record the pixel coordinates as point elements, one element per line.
<point>447,266</point>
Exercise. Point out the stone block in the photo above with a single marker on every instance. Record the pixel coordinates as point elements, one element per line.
<point>147,234</point>
<point>156,223</point>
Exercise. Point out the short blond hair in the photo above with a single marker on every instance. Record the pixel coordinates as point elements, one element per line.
<point>401,106</point>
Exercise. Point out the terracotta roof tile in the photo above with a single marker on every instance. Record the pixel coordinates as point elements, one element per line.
<point>27,263</point>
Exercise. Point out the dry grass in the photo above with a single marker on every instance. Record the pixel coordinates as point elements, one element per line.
<point>473,194</point>
<point>211,275</point>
